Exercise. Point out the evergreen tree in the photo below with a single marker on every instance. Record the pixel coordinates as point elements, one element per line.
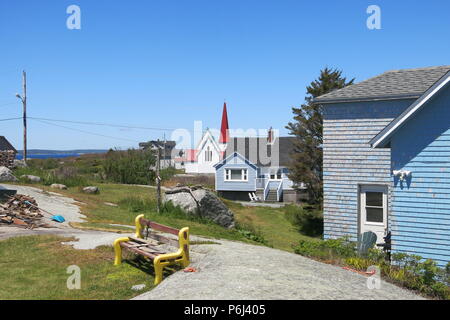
<point>307,164</point>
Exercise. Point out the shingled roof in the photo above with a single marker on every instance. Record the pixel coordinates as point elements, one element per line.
<point>397,84</point>
<point>5,145</point>
<point>276,154</point>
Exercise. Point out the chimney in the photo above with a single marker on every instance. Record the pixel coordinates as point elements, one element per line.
<point>224,136</point>
<point>270,135</point>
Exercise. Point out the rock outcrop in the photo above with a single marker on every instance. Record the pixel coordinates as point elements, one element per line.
<point>58,186</point>
<point>202,203</point>
<point>6,175</point>
<point>31,178</point>
<point>91,190</point>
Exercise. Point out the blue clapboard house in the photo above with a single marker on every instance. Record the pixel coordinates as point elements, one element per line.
<point>387,160</point>
<point>257,168</point>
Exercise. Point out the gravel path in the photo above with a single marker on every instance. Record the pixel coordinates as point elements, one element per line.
<point>234,270</point>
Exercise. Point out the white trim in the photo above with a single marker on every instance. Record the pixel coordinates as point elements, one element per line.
<point>203,141</point>
<point>224,161</point>
<point>412,111</point>
<point>225,179</point>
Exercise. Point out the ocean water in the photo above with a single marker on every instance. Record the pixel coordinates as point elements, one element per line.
<point>47,156</point>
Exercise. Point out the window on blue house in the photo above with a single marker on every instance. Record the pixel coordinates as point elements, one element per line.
<point>236,175</point>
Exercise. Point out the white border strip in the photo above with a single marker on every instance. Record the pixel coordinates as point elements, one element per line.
<point>404,118</point>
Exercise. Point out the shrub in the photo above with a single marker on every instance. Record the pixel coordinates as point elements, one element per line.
<point>332,249</point>
<point>250,233</point>
<point>308,219</point>
<point>68,176</point>
<point>410,271</point>
<point>129,167</point>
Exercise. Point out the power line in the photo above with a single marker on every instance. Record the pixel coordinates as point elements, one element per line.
<point>10,119</point>
<point>83,131</point>
<point>102,124</point>
<point>7,104</point>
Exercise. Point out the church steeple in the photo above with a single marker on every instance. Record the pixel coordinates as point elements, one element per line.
<point>224,135</point>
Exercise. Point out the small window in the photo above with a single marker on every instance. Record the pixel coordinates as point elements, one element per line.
<point>208,155</point>
<point>236,175</point>
<point>279,174</point>
<point>374,207</point>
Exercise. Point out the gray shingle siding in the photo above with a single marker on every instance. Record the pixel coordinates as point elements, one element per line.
<point>349,161</point>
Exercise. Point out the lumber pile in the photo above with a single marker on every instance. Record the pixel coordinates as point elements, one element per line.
<point>21,210</point>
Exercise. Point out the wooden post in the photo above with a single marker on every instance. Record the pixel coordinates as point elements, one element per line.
<point>24,102</point>
<point>158,181</point>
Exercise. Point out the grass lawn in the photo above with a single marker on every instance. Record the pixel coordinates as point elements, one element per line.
<point>36,268</point>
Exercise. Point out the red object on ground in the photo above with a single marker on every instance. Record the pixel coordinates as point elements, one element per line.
<point>360,272</point>
<point>224,137</point>
<point>190,269</point>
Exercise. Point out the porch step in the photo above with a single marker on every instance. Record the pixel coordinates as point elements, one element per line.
<point>272,196</point>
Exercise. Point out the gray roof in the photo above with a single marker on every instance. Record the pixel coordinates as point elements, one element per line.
<point>382,139</point>
<point>5,145</point>
<point>397,84</point>
<point>260,152</point>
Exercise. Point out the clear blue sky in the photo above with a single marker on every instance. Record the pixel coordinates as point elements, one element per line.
<point>167,63</point>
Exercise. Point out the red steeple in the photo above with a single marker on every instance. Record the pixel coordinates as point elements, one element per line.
<point>224,137</point>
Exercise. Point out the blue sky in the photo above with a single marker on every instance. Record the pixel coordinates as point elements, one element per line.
<point>165,64</point>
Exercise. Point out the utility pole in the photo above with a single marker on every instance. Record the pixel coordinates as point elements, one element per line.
<point>164,152</point>
<point>158,180</point>
<point>24,103</point>
<point>24,116</point>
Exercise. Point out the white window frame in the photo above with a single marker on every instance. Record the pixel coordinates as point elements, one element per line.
<point>227,175</point>
<point>379,189</point>
<point>275,173</point>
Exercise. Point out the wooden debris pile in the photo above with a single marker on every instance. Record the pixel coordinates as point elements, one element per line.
<point>21,210</point>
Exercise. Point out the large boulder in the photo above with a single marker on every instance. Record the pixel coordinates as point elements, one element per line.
<point>91,190</point>
<point>31,178</point>
<point>202,203</point>
<point>6,175</point>
<point>19,164</point>
<point>58,186</point>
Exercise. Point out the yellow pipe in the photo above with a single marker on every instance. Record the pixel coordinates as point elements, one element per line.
<point>118,250</point>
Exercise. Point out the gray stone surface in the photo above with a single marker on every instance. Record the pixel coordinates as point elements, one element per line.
<point>238,271</point>
<point>6,175</point>
<point>206,205</point>
<point>58,186</point>
<point>91,190</point>
<point>31,178</point>
<point>19,164</point>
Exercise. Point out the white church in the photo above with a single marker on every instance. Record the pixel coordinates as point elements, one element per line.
<point>209,151</point>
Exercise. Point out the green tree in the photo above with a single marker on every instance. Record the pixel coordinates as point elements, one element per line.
<point>307,127</point>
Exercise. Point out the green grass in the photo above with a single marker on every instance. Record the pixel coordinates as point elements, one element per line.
<point>272,223</point>
<point>36,268</point>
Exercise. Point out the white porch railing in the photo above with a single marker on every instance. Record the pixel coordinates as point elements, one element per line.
<point>266,189</point>
<point>280,191</point>
<point>260,183</point>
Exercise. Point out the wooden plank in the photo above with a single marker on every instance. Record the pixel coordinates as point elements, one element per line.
<point>137,250</point>
<point>163,239</point>
<point>159,227</point>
